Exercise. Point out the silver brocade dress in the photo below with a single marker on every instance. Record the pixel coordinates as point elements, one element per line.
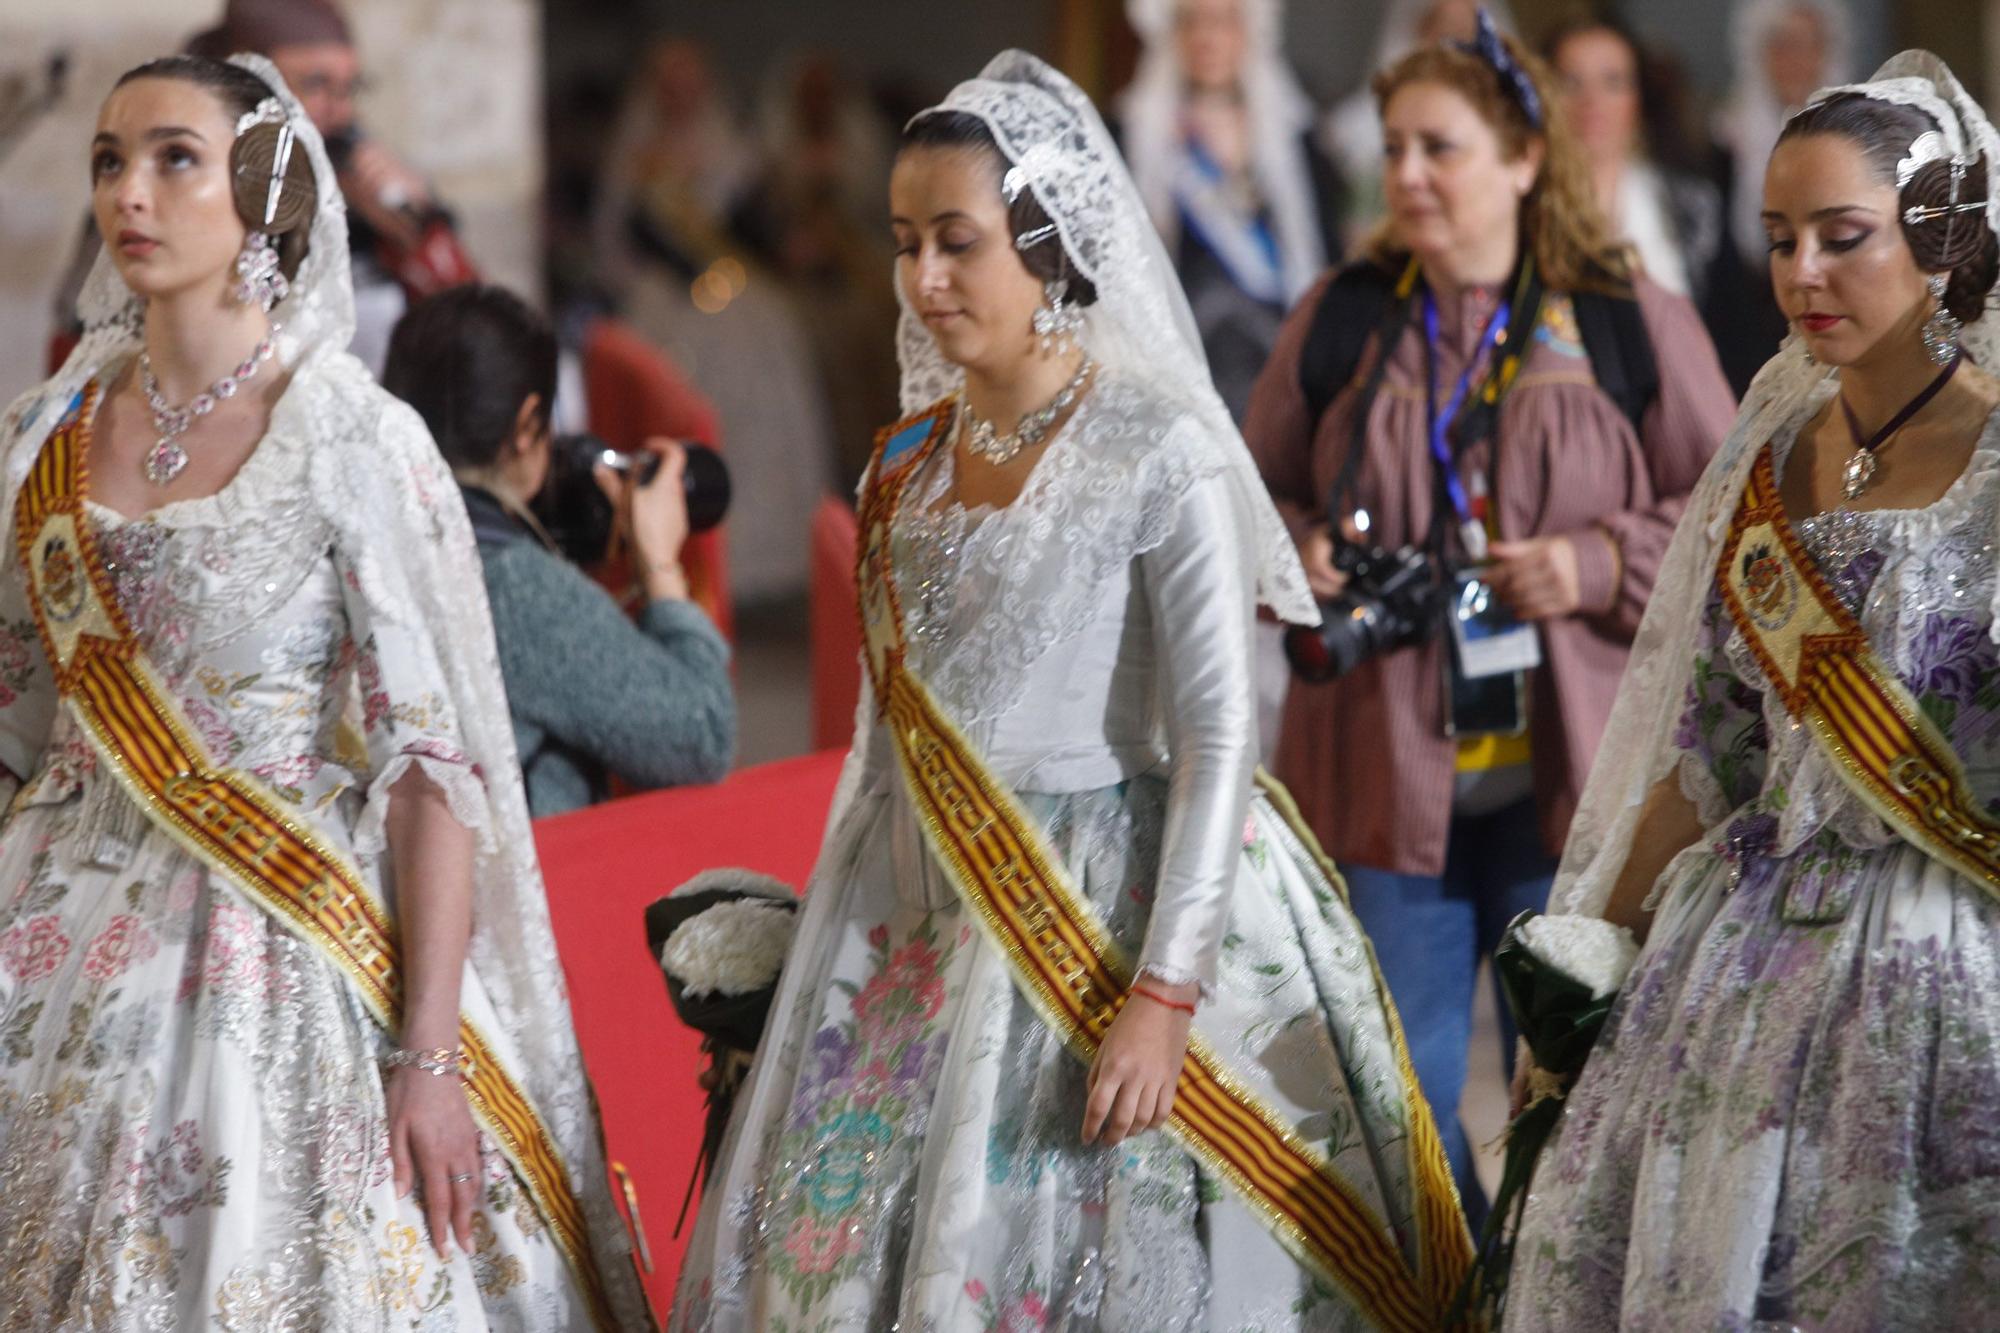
<point>1790,1120</point>
<point>907,1152</point>
<point>193,1131</point>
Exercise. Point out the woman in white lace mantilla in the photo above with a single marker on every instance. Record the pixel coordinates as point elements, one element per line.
<point>1788,1122</point>
<point>266,856</point>
<point>1079,552</point>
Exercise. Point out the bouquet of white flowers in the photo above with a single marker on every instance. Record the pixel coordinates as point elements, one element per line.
<point>721,939</point>
<point>1560,975</point>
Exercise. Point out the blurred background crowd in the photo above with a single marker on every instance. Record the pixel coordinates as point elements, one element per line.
<point>713,177</point>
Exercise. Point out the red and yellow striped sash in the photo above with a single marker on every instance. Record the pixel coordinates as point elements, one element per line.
<point>228,818</point>
<point>1063,960</point>
<point>1819,661</point>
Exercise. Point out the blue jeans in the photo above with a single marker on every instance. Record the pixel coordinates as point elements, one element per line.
<point>1430,931</point>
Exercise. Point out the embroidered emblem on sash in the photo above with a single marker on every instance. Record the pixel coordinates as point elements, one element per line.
<point>1769,594</point>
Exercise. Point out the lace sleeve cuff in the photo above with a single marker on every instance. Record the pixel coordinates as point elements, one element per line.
<point>464,793</point>
<point>1169,975</point>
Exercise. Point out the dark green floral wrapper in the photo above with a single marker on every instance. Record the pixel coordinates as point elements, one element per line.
<point>722,979</point>
<point>1560,976</point>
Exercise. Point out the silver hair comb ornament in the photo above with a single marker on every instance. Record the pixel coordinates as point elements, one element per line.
<point>271,111</point>
<point>1012,186</point>
<point>1028,240</point>
<point>1916,214</point>
<point>1928,147</point>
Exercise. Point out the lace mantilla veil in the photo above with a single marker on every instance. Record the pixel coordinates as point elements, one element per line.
<point>337,442</point>
<point>1638,749</point>
<point>1140,329</point>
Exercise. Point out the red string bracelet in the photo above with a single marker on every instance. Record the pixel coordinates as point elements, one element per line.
<point>1158,998</point>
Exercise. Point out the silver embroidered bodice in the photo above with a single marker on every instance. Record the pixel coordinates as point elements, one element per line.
<point>1097,629</point>
<point>250,615</point>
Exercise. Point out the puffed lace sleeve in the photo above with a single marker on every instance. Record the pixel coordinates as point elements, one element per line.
<point>418,533</point>
<point>406,715</point>
<point>1201,588</point>
<point>27,688</point>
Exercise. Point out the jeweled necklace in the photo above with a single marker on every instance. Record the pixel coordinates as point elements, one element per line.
<point>1033,427</point>
<point>1859,474</point>
<point>166,460</point>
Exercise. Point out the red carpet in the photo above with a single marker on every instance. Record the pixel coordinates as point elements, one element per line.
<point>604,865</point>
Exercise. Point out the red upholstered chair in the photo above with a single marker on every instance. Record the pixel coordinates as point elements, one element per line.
<point>604,865</point>
<point>835,626</point>
<point>633,391</point>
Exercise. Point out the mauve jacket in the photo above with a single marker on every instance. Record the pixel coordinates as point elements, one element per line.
<point>1366,755</point>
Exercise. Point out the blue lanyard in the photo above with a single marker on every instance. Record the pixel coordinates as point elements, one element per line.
<point>1440,421</point>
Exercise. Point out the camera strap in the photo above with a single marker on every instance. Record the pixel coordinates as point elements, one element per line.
<point>1394,322</point>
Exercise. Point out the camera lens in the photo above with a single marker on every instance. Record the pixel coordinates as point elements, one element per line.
<point>708,489</point>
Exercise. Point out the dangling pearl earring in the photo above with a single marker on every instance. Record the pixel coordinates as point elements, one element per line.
<point>1942,329</point>
<point>1057,322</point>
<point>259,279</point>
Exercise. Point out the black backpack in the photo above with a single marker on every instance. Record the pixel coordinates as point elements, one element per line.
<point>1614,336</point>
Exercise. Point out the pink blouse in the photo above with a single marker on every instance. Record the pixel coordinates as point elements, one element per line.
<point>1367,755</point>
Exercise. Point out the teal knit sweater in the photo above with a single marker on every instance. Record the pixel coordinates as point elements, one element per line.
<point>592,692</point>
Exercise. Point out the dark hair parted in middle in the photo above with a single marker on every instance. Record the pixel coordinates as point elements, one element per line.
<point>1960,244</point>
<point>466,359</point>
<point>1047,259</point>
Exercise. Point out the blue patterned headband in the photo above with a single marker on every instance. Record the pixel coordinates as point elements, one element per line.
<point>1486,44</point>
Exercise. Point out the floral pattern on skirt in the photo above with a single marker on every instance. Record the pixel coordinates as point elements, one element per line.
<point>192,1132</point>
<point>908,1151</point>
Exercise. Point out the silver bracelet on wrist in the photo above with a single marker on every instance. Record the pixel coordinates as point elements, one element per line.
<point>440,1061</point>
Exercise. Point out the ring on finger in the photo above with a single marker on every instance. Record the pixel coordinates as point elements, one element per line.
<point>462,1177</point>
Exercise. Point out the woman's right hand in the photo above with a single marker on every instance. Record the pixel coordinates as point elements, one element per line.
<point>1316,554</point>
<point>655,519</point>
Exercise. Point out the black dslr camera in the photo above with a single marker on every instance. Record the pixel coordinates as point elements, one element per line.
<point>1393,599</point>
<point>577,513</point>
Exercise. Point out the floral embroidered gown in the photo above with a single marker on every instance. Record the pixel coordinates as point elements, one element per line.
<point>907,1152</point>
<point>192,1123</point>
<point>1793,1118</point>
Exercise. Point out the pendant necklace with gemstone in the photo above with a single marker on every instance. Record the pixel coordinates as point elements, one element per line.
<point>984,441</point>
<point>166,459</point>
<point>1859,474</point>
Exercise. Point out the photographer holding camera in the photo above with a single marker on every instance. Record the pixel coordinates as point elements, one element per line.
<point>1481,436</point>
<point>591,693</point>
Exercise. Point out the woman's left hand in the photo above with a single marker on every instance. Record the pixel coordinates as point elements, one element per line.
<point>433,1142</point>
<point>1537,579</point>
<point>1132,1080</point>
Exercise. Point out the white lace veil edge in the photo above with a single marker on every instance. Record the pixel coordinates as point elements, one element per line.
<point>1638,749</point>
<point>1279,114</point>
<point>1140,328</point>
